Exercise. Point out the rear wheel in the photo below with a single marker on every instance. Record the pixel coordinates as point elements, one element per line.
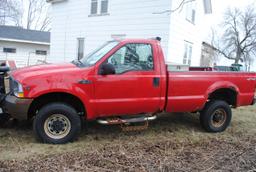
<point>216,116</point>
<point>57,123</point>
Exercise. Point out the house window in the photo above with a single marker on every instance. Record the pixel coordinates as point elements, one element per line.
<point>207,6</point>
<point>191,13</point>
<point>80,48</point>
<point>9,50</point>
<point>99,7</point>
<point>187,53</point>
<point>104,6</point>
<point>94,6</point>
<point>41,52</point>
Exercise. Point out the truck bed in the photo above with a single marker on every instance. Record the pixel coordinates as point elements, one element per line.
<point>189,91</point>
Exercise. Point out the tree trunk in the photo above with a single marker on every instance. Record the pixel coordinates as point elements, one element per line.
<point>236,60</point>
<point>238,55</point>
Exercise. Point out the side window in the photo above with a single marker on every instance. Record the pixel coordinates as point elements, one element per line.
<point>99,7</point>
<point>104,6</point>
<point>41,52</point>
<point>94,6</point>
<point>187,53</point>
<point>9,50</point>
<point>80,48</point>
<point>191,12</point>
<point>132,57</point>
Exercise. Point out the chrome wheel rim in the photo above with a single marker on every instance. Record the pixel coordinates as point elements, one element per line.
<point>219,118</point>
<point>57,126</point>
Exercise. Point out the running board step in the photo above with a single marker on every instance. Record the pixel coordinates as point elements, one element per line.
<point>116,120</point>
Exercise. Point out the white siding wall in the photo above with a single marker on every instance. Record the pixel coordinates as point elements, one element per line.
<point>182,30</point>
<point>23,51</point>
<point>135,19</point>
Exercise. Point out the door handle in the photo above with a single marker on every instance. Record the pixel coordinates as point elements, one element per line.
<point>156,81</point>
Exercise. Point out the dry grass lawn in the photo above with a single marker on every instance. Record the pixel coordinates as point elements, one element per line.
<point>174,142</point>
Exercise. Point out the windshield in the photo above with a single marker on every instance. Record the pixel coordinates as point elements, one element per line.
<point>96,55</point>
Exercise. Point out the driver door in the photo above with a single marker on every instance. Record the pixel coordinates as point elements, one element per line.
<point>135,86</point>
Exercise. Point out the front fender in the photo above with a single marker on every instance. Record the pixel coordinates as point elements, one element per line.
<point>74,90</point>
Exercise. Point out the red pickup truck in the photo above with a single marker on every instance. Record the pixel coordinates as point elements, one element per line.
<point>123,81</point>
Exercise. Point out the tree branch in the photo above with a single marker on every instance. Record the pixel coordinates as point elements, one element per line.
<point>240,34</point>
<point>180,6</point>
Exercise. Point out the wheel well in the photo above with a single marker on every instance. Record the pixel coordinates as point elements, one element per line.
<point>226,94</point>
<point>56,97</point>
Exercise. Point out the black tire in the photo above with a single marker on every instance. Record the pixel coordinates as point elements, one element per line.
<point>63,115</point>
<point>216,116</point>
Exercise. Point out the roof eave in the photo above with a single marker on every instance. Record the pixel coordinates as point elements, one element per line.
<point>24,41</point>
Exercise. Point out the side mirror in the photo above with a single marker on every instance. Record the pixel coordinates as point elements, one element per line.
<point>107,69</point>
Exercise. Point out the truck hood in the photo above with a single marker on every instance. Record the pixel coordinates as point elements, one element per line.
<point>32,71</point>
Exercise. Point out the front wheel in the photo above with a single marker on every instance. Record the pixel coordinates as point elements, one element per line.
<point>216,116</point>
<point>57,123</point>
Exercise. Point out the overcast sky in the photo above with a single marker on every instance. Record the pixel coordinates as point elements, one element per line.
<point>219,7</point>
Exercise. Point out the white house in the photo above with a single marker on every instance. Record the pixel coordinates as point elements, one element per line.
<point>25,47</point>
<point>79,26</point>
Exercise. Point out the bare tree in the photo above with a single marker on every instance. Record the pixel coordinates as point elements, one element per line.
<point>37,15</point>
<point>29,14</point>
<point>10,12</point>
<point>238,41</point>
<point>179,7</point>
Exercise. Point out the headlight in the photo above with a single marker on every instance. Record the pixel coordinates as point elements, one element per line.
<point>17,89</point>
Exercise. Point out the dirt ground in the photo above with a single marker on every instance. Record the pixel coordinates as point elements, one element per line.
<point>174,142</point>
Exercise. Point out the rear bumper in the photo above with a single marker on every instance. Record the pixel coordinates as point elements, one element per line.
<point>16,107</point>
